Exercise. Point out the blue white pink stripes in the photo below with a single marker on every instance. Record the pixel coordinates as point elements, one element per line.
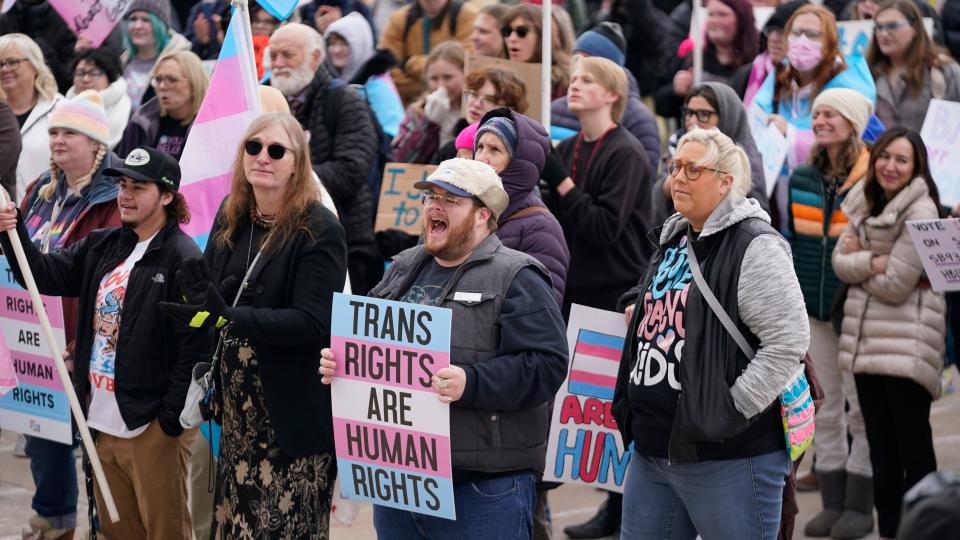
<point>596,360</point>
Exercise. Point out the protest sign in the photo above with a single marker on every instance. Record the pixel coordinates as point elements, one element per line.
<point>941,135</point>
<point>855,36</point>
<point>937,241</point>
<point>530,74</point>
<point>391,432</point>
<point>91,19</point>
<point>585,446</point>
<point>38,405</point>
<point>771,144</point>
<point>399,207</point>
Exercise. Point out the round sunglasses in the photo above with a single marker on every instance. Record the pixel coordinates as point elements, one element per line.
<point>275,151</point>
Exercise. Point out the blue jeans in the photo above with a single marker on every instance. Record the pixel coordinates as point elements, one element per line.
<point>737,498</point>
<point>54,470</point>
<point>499,508</point>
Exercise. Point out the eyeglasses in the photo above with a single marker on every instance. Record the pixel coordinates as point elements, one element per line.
<point>485,101</point>
<point>702,115</point>
<point>891,27</point>
<point>692,171</point>
<point>429,198</point>
<point>165,80</point>
<point>274,151</point>
<point>521,31</point>
<point>94,73</point>
<point>12,63</point>
<point>812,34</point>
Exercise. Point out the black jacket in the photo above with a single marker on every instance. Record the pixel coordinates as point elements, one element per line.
<point>950,18</point>
<point>289,322</point>
<point>707,425</point>
<point>10,146</point>
<point>155,355</point>
<point>342,150</point>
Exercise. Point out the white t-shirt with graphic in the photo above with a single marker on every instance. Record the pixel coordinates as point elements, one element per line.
<point>104,412</point>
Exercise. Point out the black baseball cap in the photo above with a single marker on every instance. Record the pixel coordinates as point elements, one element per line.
<point>144,164</point>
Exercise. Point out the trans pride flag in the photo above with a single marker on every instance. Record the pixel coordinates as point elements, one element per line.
<point>8,376</point>
<point>231,103</point>
<point>596,359</point>
<point>281,9</point>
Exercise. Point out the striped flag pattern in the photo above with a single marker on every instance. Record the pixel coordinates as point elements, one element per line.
<point>281,9</point>
<point>596,359</point>
<point>231,103</point>
<point>8,376</point>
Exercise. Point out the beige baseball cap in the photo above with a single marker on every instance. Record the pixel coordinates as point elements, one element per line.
<point>469,178</point>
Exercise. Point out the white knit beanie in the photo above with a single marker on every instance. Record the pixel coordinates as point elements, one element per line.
<point>83,114</point>
<point>851,104</point>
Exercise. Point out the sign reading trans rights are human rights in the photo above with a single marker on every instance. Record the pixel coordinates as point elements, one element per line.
<point>392,433</point>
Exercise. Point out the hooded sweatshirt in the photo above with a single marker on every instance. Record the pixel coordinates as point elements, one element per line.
<point>355,30</point>
<point>535,232</point>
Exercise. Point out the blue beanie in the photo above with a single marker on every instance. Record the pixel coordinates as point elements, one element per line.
<point>502,127</point>
<point>605,40</point>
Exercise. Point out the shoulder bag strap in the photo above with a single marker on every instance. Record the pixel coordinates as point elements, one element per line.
<point>713,302</point>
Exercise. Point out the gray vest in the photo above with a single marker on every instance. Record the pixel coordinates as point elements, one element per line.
<point>488,441</point>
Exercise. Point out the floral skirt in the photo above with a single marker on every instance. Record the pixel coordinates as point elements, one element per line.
<point>262,492</point>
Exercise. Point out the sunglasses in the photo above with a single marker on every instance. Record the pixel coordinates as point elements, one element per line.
<point>521,31</point>
<point>891,27</point>
<point>275,151</point>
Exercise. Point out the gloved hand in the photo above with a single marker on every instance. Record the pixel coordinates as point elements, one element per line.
<point>554,171</point>
<point>193,276</point>
<point>213,312</point>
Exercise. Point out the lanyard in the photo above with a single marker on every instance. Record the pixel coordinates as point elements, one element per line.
<point>54,214</point>
<point>576,153</point>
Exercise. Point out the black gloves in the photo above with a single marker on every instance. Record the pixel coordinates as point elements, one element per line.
<point>554,171</point>
<point>203,305</point>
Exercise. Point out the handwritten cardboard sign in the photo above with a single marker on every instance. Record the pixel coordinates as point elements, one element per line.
<point>392,433</point>
<point>91,19</point>
<point>771,144</point>
<point>585,446</point>
<point>937,241</point>
<point>530,74</point>
<point>399,206</point>
<point>38,405</point>
<point>941,135</point>
<point>855,36</point>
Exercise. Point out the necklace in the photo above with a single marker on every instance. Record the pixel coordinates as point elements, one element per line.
<point>260,220</point>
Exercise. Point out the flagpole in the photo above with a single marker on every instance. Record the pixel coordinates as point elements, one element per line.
<point>696,27</point>
<point>61,368</point>
<point>546,57</point>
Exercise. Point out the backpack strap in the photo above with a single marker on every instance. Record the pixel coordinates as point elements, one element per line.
<point>528,211</point>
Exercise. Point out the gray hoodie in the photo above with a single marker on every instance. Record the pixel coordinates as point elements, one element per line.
<point>769,303</point>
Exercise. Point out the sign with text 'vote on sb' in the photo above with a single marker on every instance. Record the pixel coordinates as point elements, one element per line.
<point>585,446</point>
<point>392,433</point>
<point>937,241</point>
<point>38,405</point>
<point>399,207</point>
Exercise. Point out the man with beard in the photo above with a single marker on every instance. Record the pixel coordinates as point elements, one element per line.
<point>343,139</point>
<point>131,366</point>
<point>508,354</point>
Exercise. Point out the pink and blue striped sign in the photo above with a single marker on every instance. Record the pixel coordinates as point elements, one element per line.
<point>596,359</point>
<point>8,376</point>
<point>281,9</point>
<point>231,103</point>
<point>392,434</point>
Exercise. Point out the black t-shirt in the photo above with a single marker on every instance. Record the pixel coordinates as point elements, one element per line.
<point>429,285</point>
<point>171,136</point>
<point>654,377</point>
<point>22,118</point>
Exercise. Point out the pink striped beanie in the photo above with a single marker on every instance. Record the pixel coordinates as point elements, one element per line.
<point>83,114</point>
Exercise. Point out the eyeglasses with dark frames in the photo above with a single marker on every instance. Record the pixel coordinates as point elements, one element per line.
<point>12,63</point>
<point>891,27</point>
<point>702,115</point>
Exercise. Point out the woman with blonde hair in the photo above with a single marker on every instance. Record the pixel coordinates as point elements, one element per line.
<point>285,255</point>
<point>700,405</point>
<point>164,122</point>
<point>71,199</point>
<point>32,94</point>
<point>523,33</point>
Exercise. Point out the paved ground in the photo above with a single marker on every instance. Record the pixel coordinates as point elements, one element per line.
<point>570,504</point>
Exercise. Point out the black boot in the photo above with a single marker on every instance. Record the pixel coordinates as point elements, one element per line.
<point>603,524</point>
<point>833,489</point>
<point>857,518</point>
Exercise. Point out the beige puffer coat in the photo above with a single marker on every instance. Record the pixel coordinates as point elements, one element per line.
<point>890,326</point>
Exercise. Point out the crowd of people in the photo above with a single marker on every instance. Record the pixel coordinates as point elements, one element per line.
<point>647,196</point>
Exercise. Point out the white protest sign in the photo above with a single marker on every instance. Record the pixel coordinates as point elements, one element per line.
<point>771,144</point>
<point>855,36</point>
<point>7,4</point>
<point>585,446</point>
<point>937,241</point>
<point>941,135</point>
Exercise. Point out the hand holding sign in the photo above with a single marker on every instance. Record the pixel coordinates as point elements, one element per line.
<point>450,383</point>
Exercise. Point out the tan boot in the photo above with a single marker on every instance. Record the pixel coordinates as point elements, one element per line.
<point>42,529</point>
